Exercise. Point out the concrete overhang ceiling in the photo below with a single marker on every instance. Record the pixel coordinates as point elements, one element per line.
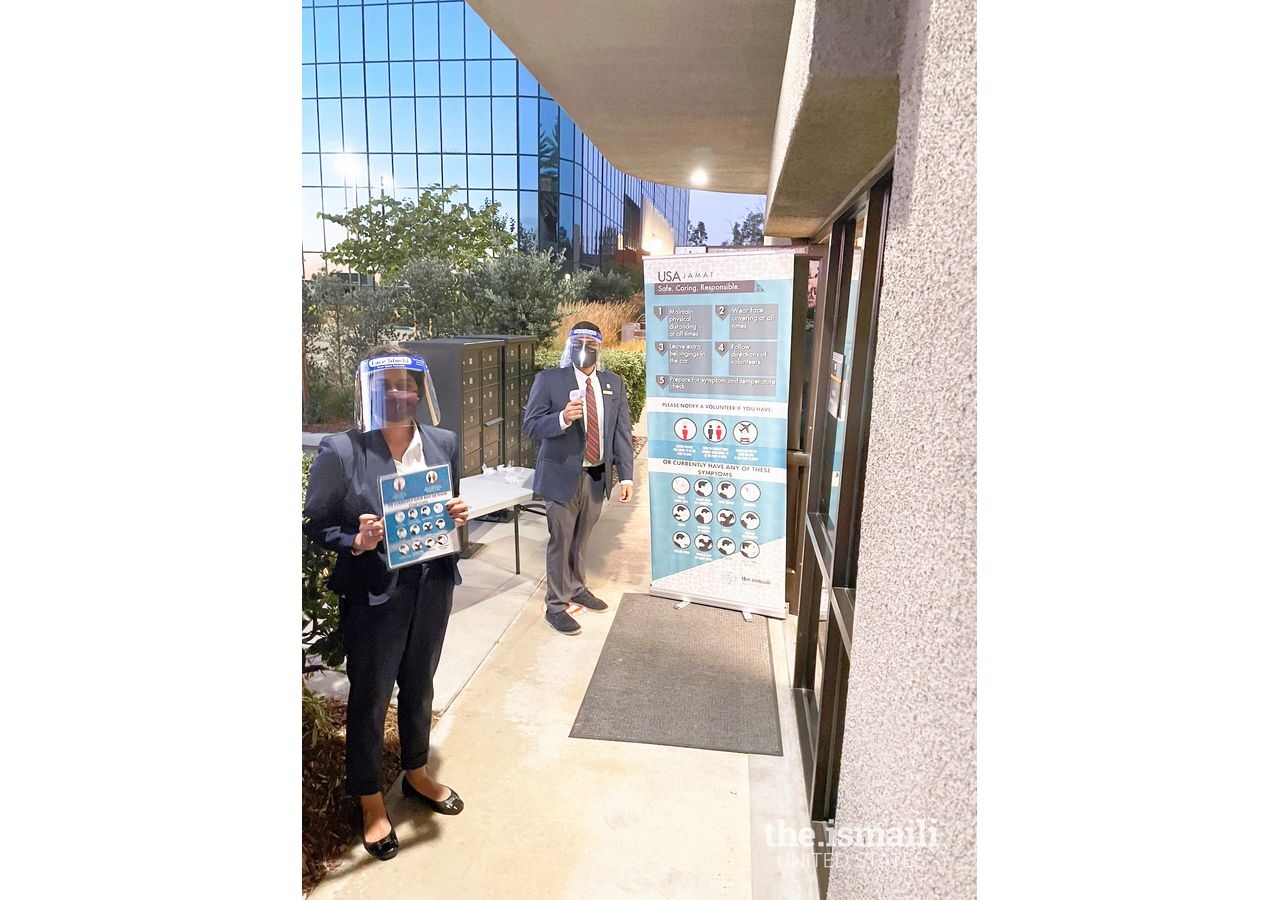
<point>796,99</point>
<point>660,87</point>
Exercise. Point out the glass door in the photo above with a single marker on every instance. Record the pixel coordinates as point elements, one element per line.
<point>839,411</point>
<point>837,399</point>
<point>834,401</point>
<point>798,449</point>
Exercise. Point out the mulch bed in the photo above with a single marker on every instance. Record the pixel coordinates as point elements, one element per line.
<point>331,817</point>
<point>328,427</point>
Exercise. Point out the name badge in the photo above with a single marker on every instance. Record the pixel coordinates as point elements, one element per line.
<point>606,391</point>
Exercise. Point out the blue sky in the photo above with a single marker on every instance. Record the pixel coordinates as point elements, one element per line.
<point>719,211</point>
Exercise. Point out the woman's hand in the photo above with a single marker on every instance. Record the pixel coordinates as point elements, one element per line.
<point>457,508</point>
<point>370,534</point>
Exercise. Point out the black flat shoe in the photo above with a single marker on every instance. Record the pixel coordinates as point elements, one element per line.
<point>562,622</point>
<point>386,848</point>
<point>449,807</point>
<point>588,600</point>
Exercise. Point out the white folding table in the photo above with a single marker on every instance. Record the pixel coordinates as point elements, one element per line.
<point>490,493</point>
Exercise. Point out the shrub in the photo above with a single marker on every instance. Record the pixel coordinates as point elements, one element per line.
<point>627,281</point>
<point>546,358</point>
<point>320,638</point>
<point>630,365</point>
<point>327,400</point>
<point>609,285</point>
<point>340,323</point>
<point>516,292</point>
<point>521,293</point>
<point>434,303</point>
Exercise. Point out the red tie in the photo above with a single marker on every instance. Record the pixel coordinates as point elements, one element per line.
<point>593,425</point>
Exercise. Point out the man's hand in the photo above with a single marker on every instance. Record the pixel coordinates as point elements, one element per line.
<point>624,492</point>
<point>573,412</point>
<point>458,511</point>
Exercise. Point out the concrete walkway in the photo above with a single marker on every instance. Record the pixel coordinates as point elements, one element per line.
<point>549,816</point>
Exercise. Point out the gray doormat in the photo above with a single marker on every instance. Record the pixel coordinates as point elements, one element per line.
<point>694,677</point>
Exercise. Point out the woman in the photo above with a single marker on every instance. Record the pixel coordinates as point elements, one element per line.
<point>392,622</point>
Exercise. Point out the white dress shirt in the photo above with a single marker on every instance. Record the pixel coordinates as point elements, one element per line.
<point>583,378</point>
<point>414,459</point>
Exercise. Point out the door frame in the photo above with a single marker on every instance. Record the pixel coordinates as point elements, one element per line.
<point>820,713</point>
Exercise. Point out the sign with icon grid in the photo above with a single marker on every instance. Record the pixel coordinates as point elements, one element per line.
<point>718,332</point>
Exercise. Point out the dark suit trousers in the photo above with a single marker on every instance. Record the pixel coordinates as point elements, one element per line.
<point>570,526</point>
<point>397,642</point>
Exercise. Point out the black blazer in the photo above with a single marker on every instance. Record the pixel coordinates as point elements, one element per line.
<point>561,452</point>
<point>344,485</point>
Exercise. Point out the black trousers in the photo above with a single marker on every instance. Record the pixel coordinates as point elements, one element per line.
<point>394,643</point>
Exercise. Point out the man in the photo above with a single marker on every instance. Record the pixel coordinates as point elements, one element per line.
<point>580,415</point>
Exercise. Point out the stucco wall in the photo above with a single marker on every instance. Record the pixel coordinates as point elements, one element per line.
<point>837,108</point>
<point>910,728</point>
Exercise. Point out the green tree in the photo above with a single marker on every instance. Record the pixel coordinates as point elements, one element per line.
<point>749,232</point>
<point>385,234</point>
<point>339,323</point>
<point>434,303</point>
<point>520,293</point>
<point>697,234</point>
<point>516,292</point>
<point>611,283</point>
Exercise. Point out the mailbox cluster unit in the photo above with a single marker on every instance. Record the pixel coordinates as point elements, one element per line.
<point>482,383</point>
<point>516,362</point>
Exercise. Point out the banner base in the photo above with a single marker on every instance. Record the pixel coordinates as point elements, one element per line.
<point>724,603</point>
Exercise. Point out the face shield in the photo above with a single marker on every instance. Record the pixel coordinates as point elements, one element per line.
<point>395,390</point>
<point>582,349</point>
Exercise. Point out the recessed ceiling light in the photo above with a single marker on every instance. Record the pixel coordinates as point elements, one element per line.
<point>699,177</point>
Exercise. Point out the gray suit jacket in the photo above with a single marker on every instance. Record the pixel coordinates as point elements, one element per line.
<point>561,452</point>
<point>344,485</point>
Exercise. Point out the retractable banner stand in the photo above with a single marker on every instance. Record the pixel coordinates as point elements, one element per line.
<point>718,329</point>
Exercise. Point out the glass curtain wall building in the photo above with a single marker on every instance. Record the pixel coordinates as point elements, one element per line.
<point>399,96</point>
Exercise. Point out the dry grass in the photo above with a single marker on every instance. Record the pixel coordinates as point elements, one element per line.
<point>609,316</point>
